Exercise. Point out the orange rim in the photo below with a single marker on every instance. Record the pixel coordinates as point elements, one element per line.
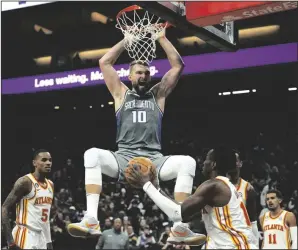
<point>132,8</point>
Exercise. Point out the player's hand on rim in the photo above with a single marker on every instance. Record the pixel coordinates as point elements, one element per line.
<point>161,34</point>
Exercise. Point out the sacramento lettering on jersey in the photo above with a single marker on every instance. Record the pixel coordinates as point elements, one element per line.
<point>139,104</point>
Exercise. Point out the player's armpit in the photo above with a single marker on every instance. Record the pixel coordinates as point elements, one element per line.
<point>251,205</point>
<point>192,206</point>
<point>21,188</point>
<point>168,83</point>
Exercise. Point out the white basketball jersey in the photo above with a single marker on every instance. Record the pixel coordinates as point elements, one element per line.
<point>33,211</point>
<point>276,232</point>
<point>242,190</point>
<point>228,227</point>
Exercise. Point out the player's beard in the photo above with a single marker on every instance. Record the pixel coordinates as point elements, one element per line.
<point>272,209</point>
<point>141,89</point>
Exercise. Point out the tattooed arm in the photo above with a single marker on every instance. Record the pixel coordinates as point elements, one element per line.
<point>21,188</point>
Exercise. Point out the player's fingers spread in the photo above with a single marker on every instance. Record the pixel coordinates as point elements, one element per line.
<point>153,170</point>
<point>132,179</point>
<point>134,173</point>
<point>136,167</point>
<point>133,182</point>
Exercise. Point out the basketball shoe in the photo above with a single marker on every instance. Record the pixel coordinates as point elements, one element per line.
<point>88,227</point>
<point>181,234</point>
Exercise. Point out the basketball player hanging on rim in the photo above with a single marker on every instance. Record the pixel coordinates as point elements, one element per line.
<point>139,114</point>
<point>278,225</point>
<point>224,214</point>
<point>33,195</point>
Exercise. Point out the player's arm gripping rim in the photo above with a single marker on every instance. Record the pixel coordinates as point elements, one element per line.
<point>170,79</point>
<point>21,188</point>
<point>251,207</point>
<point>112,80</point>
<point>291,223</point>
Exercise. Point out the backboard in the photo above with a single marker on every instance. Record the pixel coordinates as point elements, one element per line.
<point>223,36</point>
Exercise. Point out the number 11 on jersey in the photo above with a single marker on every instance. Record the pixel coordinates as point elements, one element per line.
<point>139,116</point>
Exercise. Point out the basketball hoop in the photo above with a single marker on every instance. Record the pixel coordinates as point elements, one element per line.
<point>140,30</point>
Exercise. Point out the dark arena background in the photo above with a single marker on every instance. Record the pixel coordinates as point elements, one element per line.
<point>45,42</point>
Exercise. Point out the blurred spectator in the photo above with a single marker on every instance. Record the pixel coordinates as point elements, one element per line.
<point>113,238</point>
<point>146,240</point>
<point>58,222</point>
<point>56,233</point>
<point>67,220</point>
<point>293,203</point>
<point>132,238</point>
<point>164,236</point>
<point>108,224</point>
<point>126,224</point>
<point>134,213</point>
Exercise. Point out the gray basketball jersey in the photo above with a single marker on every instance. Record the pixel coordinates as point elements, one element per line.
<point>139,122</point>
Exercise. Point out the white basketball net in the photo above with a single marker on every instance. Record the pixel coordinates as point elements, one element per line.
<point>140,34</point>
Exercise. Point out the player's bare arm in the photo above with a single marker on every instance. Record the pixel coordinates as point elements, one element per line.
<point>212,192</point>
<point>251,204</point>
<point>47,232</point>
<point>261,220</point>
<point>292,224</point>
<point>112,80</point>
<point>21,188</point>
<point>251,207</point>
<point>170,79</point>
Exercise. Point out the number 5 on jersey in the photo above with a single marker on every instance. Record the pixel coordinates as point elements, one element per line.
<point>139,116</point>
<point>45,215</point>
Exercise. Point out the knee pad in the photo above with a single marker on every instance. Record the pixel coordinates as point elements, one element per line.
<point>91,158</point>
<point>187,166</point>
<point>185,175</point>
<point>93,170</point>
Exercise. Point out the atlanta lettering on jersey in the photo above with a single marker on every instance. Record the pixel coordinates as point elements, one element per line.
<point>139,104</point>
<point>273,227</point>
<point>43,200</point>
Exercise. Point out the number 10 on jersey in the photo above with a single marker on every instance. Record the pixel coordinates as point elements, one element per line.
<point>139,116</point>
